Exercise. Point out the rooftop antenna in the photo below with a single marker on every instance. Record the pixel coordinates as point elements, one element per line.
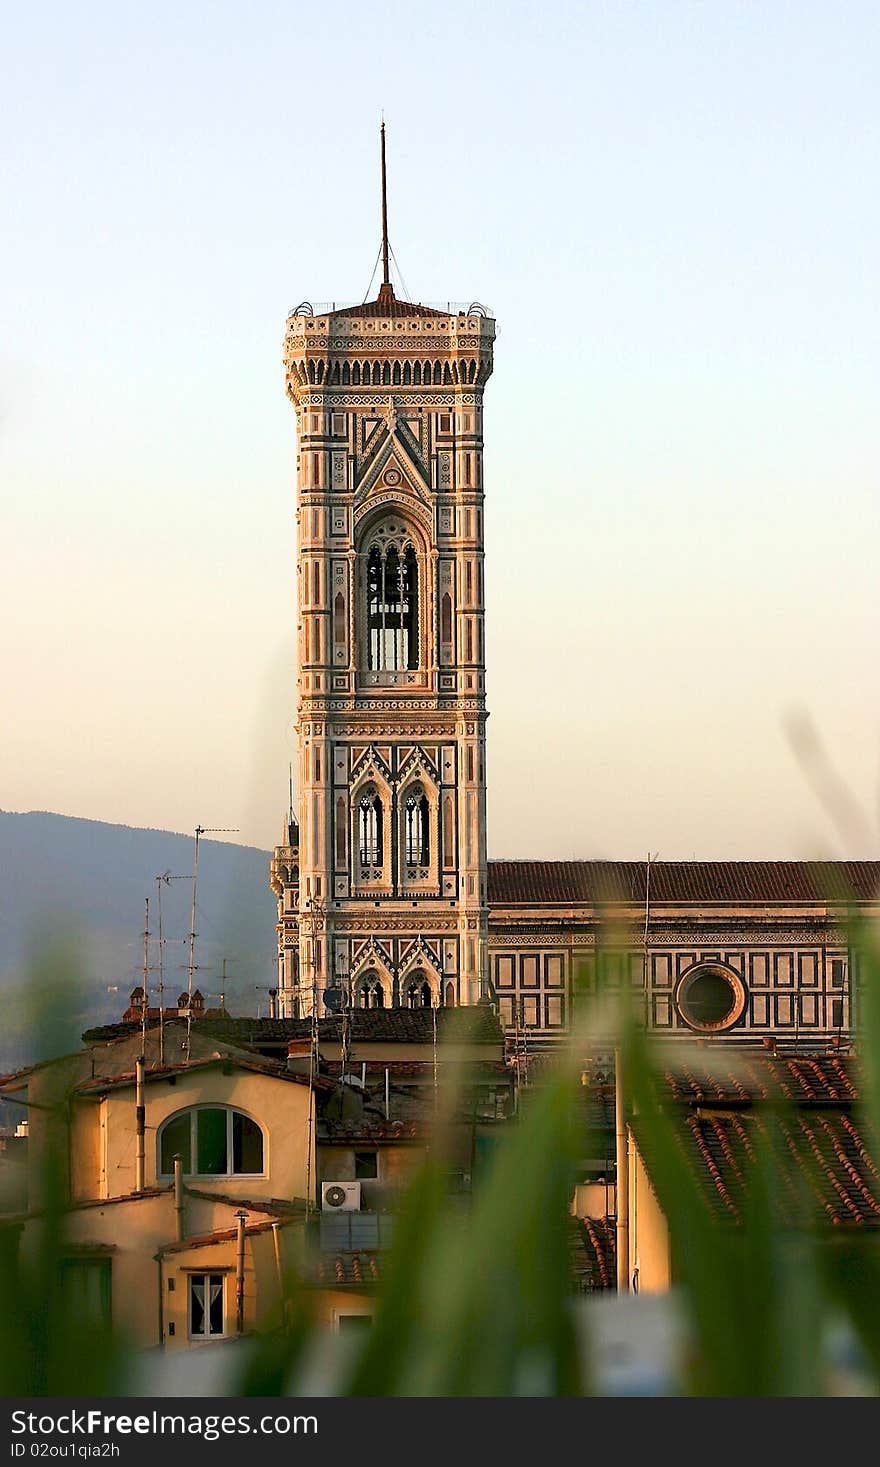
<point>146,975</point>
<point>166,877</point>
<point>645,956</point>
<point>200,830</point>
<point>343,982</point>
<point>387,288</point>
<point>311,923</point>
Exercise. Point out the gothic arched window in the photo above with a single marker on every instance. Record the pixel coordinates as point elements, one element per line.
<point>416,828</point>
<point>371,993</point>
<point>392,608</point>
<point>418,991</point>
<point>370,828</point>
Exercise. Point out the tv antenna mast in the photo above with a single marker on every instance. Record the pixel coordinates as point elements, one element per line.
<point>146,976</point>
<point>200,831</point>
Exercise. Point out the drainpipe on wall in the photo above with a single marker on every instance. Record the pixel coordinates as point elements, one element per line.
<point>279,1272</point>
<point>633,1215</point>
<point>161,1304</point>
<point>622,1155</point>
<point>241,1218</point>
<point>140,1115</point>
<point>180,1231</point>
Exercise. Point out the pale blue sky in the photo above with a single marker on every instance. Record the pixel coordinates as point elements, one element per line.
<point>672,209</point>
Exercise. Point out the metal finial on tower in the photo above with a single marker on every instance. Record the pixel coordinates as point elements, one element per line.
<point>387,287</point>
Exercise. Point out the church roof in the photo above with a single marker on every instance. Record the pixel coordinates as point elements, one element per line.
<point>541,883</point>
<point>387,304</point>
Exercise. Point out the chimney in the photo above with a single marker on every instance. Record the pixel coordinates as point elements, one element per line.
<point>298,1052</point>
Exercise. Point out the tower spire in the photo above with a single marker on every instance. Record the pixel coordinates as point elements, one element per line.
<point>387,289</point>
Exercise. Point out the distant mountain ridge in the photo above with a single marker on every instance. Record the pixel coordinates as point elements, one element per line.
<point>62,876</point>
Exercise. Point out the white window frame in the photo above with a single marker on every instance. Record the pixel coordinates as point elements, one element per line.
<point>191,1110</point>
<point>190,1280</point>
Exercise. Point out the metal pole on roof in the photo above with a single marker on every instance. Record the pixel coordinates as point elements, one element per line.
<point>140,1122</point>
<point>166,877</point>
<point>311,923</point>
<point>645,954</point>
<point>241,1219</point>
<point>192,946</point>
<point>200,830</point>
<point>146,974</point>
<point>622,1178</point>
<point>386,278</point>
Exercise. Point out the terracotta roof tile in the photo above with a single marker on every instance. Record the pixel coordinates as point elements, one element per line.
<point>361,1268</point>
<point>541,883</point>
<point>477,1024</point>
<point>220,1235</point>
<point>162,1072</point>
<point>387,304</point>
<point>592,1253</point>
<point>804,1108</point>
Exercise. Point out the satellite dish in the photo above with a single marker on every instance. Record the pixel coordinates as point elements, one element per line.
<point>333,999</point>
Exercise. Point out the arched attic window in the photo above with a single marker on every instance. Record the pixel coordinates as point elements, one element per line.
<point>392,607</point>
<point>212,1141</point>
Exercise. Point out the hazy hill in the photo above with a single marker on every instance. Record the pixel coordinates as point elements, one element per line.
<point>72,879</point>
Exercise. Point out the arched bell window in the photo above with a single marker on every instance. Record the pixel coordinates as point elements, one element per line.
<point>416,828</point>
<point>392,606</point>
<point>370,827</point>
<point>418,991</point>
<point>371,994</point>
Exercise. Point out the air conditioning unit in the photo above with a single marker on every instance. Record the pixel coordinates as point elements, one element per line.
<point>340,1196</point>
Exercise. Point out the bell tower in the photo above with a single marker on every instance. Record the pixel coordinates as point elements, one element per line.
<point>391,898</point>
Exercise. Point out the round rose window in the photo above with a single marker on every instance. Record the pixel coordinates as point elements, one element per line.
<point>710,998</point>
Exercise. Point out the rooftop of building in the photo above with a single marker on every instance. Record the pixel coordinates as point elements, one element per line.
<point>387,306</point>
<point>804,1111</point>
<point>477,1025</point>
<point>784,883</point>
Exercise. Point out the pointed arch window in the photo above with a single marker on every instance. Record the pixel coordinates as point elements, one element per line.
<point>418,991</point>
<point>416,828</point>
<point>372,994</point>
<point>392,608</point>
<point>370,828</point>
